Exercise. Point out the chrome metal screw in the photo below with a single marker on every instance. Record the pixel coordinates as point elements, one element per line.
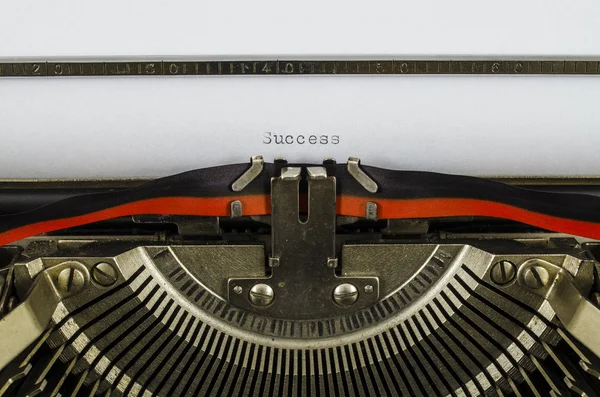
<point>238,289</point>
<point>536,277</point>
<point>70,279</point>
<point>345,294</point>
<point>368,289</point>
<point>503,272</point>
<point>261,295</point>
<point>105,274</point>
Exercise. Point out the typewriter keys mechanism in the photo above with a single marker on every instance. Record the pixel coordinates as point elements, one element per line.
<point>302,280</point>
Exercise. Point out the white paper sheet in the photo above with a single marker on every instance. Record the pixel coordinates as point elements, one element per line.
<point>308,27</point>
<point>123,127</point>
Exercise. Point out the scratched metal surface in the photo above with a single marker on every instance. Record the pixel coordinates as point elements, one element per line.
<point>165,67</point>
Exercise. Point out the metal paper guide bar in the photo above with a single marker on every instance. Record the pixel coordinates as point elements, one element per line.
<point>303,67</point>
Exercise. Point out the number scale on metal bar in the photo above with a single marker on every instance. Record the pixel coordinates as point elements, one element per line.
<point>166,67</point>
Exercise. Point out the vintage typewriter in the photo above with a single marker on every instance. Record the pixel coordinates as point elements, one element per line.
<point>142,254</point>
<point>300,279</point>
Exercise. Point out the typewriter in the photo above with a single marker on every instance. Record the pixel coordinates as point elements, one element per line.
<point>179,220</point>
<point>280,278</point>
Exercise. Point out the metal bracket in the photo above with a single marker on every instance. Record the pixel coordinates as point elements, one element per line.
<point>303,283</point>
<point>256,167</point>
<point>236,209</point>
<point>578,315</point>
<point>357,173</point>
<point>28,321</point>
<point>371,211</point>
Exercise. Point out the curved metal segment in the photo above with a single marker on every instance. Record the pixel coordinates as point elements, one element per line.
<point>26,322</point>
<point>439,311</point>
<point>579,316</point>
